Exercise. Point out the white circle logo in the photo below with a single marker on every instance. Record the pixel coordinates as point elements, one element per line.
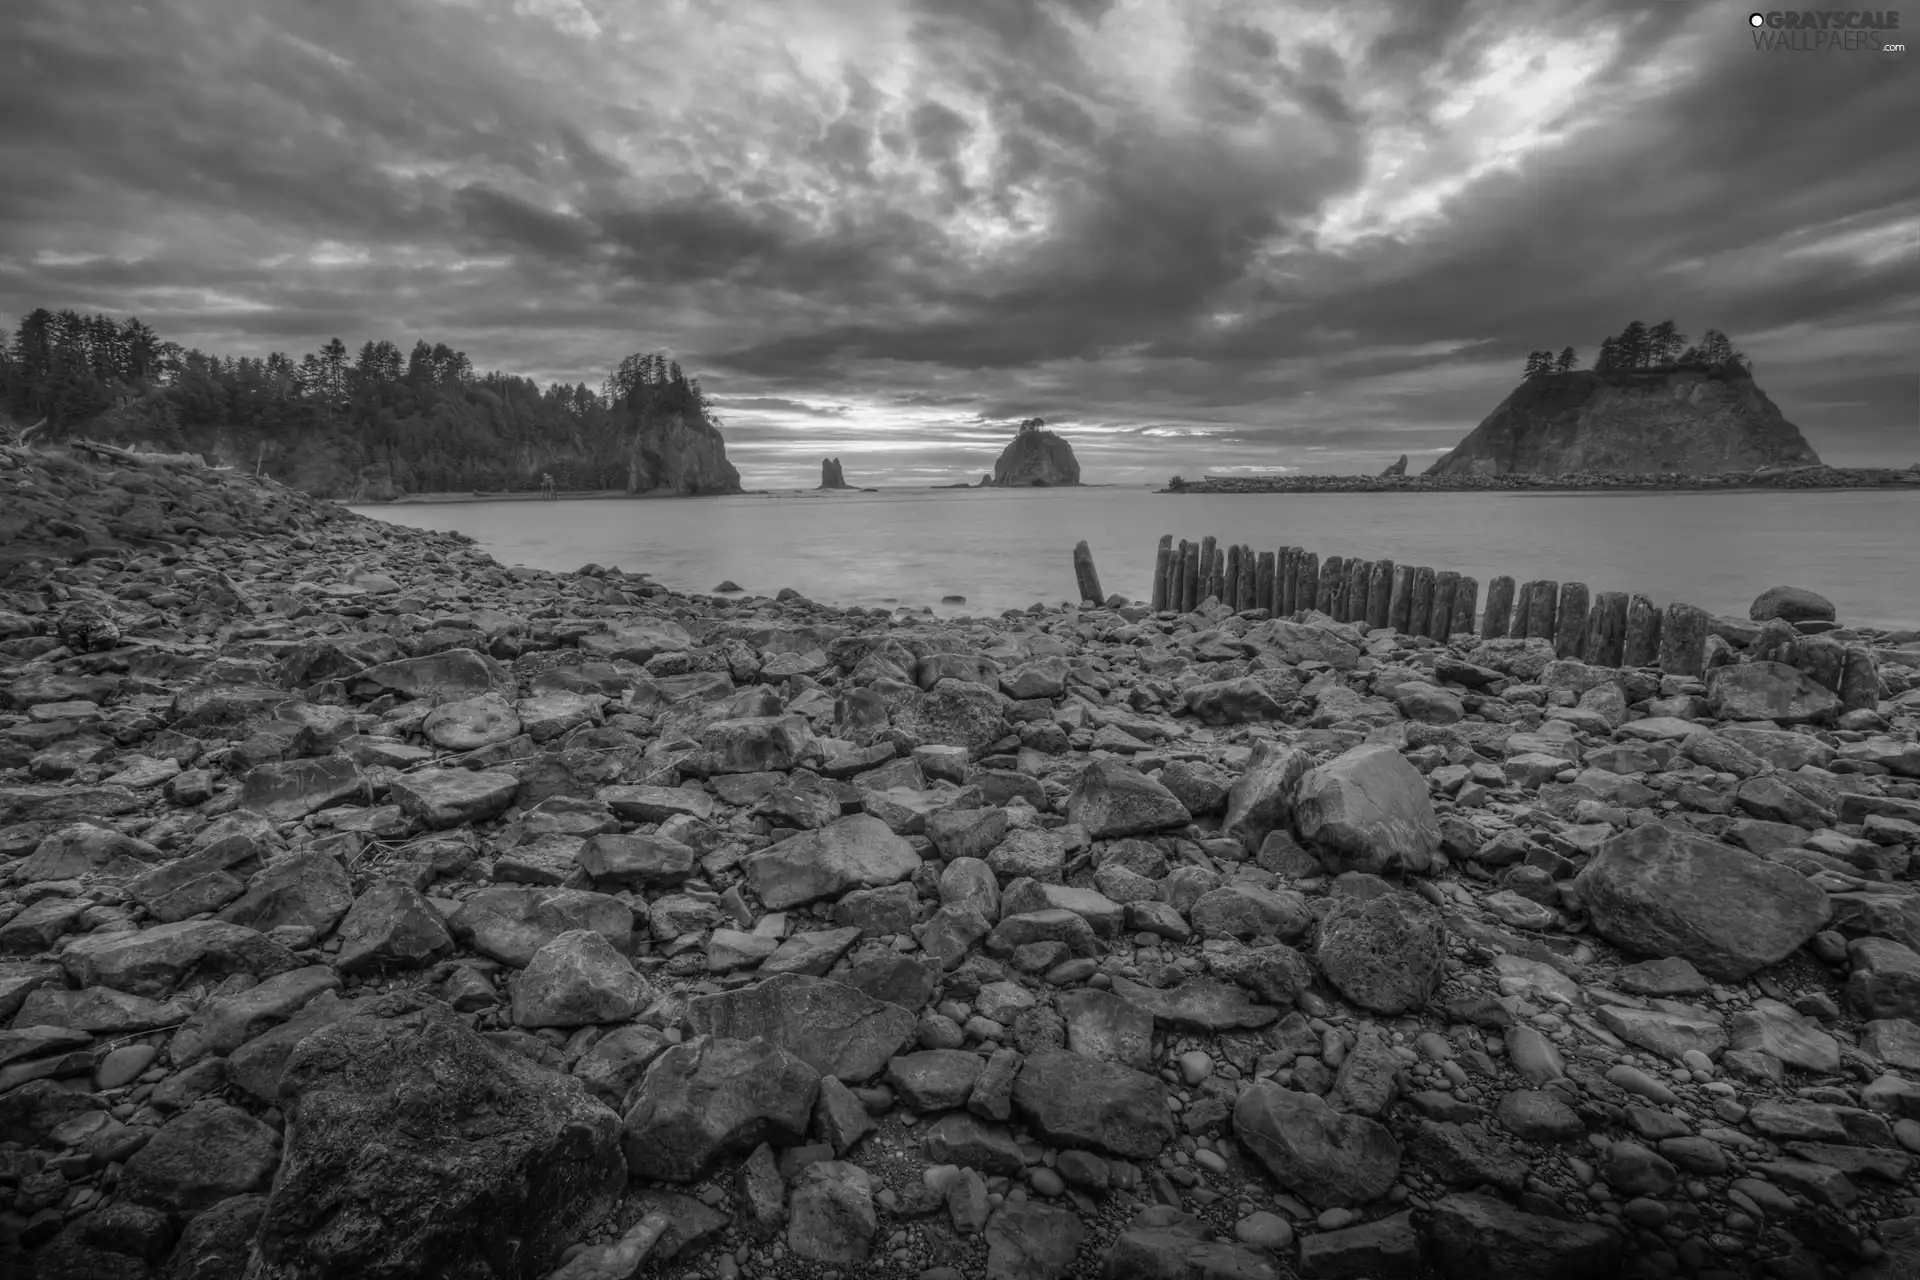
<point>1756,20</point>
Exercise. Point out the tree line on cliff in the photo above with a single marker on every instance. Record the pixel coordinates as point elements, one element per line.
<point>331,421</point>
<point>1639,346</point>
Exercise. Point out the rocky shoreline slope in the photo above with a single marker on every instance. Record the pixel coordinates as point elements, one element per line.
<point>371,909</point>
<point>1821,477</point>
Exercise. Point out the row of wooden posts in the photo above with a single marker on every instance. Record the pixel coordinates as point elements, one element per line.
<point>1611,629</point>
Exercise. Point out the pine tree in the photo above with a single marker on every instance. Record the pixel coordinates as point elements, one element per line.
<point>1536,365</point>
<point>1664,342</point>
<point>1566,361</point>
<point>1633,345</point>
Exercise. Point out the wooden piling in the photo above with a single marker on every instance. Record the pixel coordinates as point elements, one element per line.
<point>1230,576</point>
<point>1642,648</point>
<point>1161,556</point>
<point>1190,589</point>
<point>1466,603</point>
<point>1263,583</point>
<point>1379,593</point>
<point>1286,568</point>
<point>1541,607</point>
<point>1358,574</point>
<point>1248,579</point>
<point>1400,600</point>
<point>1499,608</point>
<point>1177,577</point>
<point>1420,611</point>
<point>1309,581</point>
<point>1607,629</point>
<point>1683,640</point>
<point>1444,584</point>
<point>1209,552</point>
<point>1570,627</point>
<point>1332,577</point>
<point>1522,611</point>
<point>1086,575</point>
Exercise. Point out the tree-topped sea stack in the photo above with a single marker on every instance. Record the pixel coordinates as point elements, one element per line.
<point>1036,458</point>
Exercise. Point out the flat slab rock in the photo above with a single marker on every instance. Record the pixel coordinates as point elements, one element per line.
<point>836,1029</point>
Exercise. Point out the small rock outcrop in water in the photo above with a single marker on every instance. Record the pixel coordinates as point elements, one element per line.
<point>831,477</point>
<point>1036,458</point>
<point>1685,419</point>
<point>1398,467</point>
<point>338,941</point>
<point>679,453</point>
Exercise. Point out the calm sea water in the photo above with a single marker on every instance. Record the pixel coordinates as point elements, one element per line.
<point>1007,548</point>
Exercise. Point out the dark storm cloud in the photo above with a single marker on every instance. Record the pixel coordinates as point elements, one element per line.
<point>1222,230</point>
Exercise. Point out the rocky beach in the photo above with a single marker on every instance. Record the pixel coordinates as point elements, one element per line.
<point>368,908</point>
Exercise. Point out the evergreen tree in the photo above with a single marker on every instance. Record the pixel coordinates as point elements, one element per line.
<point>1665,342</point>
<point>1566,361</point>
<point>1632,347</point>
<point>1537,364</point>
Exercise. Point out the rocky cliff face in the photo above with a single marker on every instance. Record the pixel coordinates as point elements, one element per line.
<point>1037,459</point>
<point>680,454</point>
<point>831,477</point>
<point>1681,419</point>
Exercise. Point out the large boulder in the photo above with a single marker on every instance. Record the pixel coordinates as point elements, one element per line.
<point>709,1098</point>
<point>415,1147</point>
<point>153,961</point>
<point>1114,799</point>
<point>1792,604</point>
<point>1368,810</point>
<point>1327,1158</point>
<point>856,852</point>
<point>1660,890</point>
<point>1261,800</point>
<point>1297,642</point>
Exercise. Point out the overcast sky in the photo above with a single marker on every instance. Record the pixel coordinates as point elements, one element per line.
<point>1193,236</point>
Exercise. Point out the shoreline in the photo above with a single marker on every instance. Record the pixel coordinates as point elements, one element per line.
<point>1092,901</point>
<point>601,495</point>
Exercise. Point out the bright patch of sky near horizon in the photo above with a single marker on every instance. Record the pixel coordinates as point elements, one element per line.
<point>1194,235</point>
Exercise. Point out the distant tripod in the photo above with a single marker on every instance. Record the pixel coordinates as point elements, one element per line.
<point>547,491</point>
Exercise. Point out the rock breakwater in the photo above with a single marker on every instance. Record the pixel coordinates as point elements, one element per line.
<point>370,908</point>
<point>1821,477</point>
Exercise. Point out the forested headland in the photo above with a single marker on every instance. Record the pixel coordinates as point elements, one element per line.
<point>372,423</point>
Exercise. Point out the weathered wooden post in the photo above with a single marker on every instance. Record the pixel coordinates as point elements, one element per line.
<point>1161,556</point>
<point>1309,588</point>
<point>1683,640</point>
<point>1085,574</point>
<point>1541,607</point>
<point>1522,611</point>
<point>1220,575</point>
<point>1177,577</point>
<point>1263,583</point>
<point>1466,603</point>
<point>1643,633</point>
<point>1209,550</point>
<point>1420,611</point>
<point>1400,601</point>
<point>1231,577</point>
<point>1444,584</point>
<point>1379,593</point>
<point>1570,628</point>
<point>1284,570</point>
<point>1499,608</point>
<point>1249,579</point>
<point>1358,574</point>
<point>1859,679</point>
<point>1332,576</point>
<point>1607,629</point>
<point>1190,590</point>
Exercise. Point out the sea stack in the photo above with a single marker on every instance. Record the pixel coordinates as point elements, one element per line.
<point>1681,419</point>
<point>1036,458</point>
<point>831,477</point>
<point>678,453</point>
<point>1396,468</point>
